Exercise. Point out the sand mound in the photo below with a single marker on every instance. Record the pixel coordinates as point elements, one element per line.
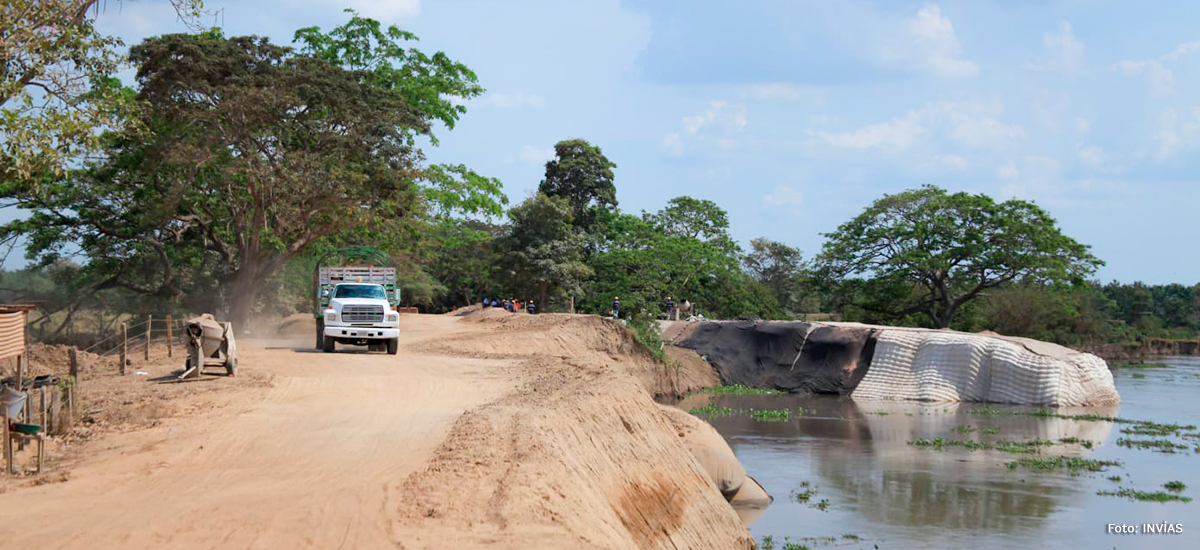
<point>597,340</point>
<point>580,457</point>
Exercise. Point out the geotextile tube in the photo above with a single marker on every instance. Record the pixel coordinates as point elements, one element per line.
<point>793,356</point>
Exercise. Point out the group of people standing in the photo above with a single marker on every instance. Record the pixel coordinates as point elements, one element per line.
<point>512,305</point>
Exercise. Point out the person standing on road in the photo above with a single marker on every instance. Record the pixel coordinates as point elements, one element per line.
<point>531,308</point>
<point>616,308</point>
<point>669,307</point>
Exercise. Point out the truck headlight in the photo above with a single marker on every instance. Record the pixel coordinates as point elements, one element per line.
<point>393,317</point>
<point>331,315</point>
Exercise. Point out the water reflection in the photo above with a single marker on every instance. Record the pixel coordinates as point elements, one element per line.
<point>859,454</point>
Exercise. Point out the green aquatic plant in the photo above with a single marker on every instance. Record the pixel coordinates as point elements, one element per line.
<point>1137,375</point>
<point>823,505</point>
<point>1002,445</point>
<point>1157,496</point>
<point>1114,479</point>
<point>1136,365</point>
<point>1151,429</point>
<point>1070,463</point>
<point>1159,445</point>
<point>1174,486</point>
<point>739,389</point>
<point>1086,444</point>
<point>712,410</point>
<point>768,543</point>
<point>771,415</point>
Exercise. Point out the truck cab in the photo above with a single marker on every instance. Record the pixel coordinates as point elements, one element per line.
<point>357,306</point>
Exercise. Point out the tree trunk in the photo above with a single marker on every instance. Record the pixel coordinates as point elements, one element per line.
<point>242,295</point>
<point>542,296</point>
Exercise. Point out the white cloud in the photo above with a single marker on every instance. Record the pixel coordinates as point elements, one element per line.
<point>953,161</point>
<point>1008,171</point>
<point>937,47</point>
<point>714,125</point>
<point>532,154</point>
<point>784,196</point>
<point>898,133</point>
<point>974,123</point>
<point>673,144</point>
<point>720,114</point>
<point>782,91</point>
<point>1092,155</point>
<point>1162,80</point>
<point>1064,52</point>
<point>1176,133</point>
<point>513,100</point>
<point>1082,124</point>
<point>387,11</point>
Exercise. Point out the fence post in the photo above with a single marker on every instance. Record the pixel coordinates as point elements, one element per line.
<point>74,364</point>
<point>124,344</point>
<point>170,338</point>
<point>149,323</point>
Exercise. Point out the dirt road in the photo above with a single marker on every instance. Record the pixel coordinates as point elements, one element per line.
<point>308,462</point>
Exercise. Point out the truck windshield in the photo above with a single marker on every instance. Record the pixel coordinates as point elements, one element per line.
<point>360,291</point>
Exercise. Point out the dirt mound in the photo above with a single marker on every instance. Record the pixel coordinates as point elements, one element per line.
<point>299,324</point>
<point>599,340</point>
<point>579,457</point>
<point>465,310</point>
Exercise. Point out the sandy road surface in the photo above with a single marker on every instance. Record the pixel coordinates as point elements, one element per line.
<point>309,462</point>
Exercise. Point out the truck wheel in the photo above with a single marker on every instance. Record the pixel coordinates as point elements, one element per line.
<point>320,334</point>
<point>393,345</point>
<point>327,346</point>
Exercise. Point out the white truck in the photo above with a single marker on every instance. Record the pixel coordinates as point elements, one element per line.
<point>357,306</point>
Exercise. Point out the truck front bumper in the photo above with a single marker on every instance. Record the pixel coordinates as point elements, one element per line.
<point>362,333</point>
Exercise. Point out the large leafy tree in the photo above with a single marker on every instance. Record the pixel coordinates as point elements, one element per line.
<point>937,251</point>
<point>581,174</point>
<point>543,253</point>
<point>57,92</point>
<point>781,269</point>
<point>255,153</point>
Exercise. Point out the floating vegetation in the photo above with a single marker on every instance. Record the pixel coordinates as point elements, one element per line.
<point>1157,496</point>
<point>1002,445</point>
<point>765,415</point>
<point>768,543</point>
<point>1152,429</point>
<point>771,415</point>
<point>741,390</point>
<point>1070,463</point>
<point>712,410</point>
<point>823,505</point>
<point>1137,365</point>
<point>1174,486</point>
<point>1114,479</point>
<point>1086,444</point>
<point>1159,445</point>
<point>803,493</point>
<point>1137,375</point>
<point>964,429</point>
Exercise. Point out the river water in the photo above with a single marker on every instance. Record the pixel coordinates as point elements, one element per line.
<point>857,458</point>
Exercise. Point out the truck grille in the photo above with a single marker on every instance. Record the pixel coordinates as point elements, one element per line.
<point>362,314</point>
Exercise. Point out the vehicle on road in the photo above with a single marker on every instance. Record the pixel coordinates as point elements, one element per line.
<point>356,305</point>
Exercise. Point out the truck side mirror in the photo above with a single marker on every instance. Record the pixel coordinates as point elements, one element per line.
<point>324,292</point>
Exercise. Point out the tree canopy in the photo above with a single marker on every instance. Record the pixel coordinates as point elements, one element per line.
<point>581,174</point>
<point>936,251</point>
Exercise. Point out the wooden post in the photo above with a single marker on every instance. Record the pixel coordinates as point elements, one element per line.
<point>20,371</point>
<point>170,338</point>
<point>8,450</point>
<point>71,353</point>
<point>149,323</point>
<point>124,344</point>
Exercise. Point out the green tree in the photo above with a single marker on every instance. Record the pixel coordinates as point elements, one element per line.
<point>780,268</point>
<point>949,249</point>
<point>255,154</point>
<point>57,91</point>
<point>581,174</point>
<point>543,253</point>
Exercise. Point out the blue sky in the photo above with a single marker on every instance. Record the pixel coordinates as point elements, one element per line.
<point>795,115</point>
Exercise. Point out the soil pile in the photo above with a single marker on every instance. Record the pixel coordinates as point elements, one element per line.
<point>579,457</point>
<point>581,337</point>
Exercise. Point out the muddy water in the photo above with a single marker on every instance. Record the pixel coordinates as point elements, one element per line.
<point>894,495</point>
